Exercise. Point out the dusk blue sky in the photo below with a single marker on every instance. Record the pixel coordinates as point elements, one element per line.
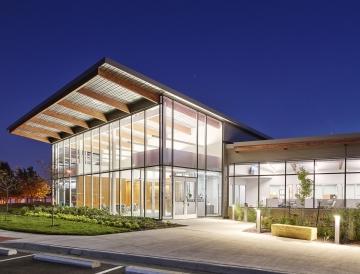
<point>286,68</point>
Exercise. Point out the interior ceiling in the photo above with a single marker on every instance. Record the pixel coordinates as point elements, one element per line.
<point>110,90</point>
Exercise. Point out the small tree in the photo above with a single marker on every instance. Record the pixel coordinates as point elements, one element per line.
<point>8,182</point>
<point>305,189</point>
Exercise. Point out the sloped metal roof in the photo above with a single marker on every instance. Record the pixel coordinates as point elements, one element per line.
<point>105,88</point>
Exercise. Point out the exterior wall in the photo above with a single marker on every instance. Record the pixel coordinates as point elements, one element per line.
<point>269,178</point>
<point>132,166</point>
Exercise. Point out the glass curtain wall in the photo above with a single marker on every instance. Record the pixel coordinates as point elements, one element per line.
<point>335,183</point>
<point>192,153</point>
<point>117,166</point>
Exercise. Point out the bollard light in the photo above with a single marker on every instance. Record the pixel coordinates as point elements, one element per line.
<point>233,211</point>
<point>258,220</point>
<point>337,228</point>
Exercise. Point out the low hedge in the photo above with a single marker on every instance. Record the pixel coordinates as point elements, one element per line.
<point>92,215</point>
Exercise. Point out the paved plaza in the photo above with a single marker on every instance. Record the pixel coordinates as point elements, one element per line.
<point>217,241</point>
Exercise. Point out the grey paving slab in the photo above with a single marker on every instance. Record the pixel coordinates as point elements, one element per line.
<point>216,241</point>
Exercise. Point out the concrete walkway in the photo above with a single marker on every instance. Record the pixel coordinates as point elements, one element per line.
<point>217,241</point>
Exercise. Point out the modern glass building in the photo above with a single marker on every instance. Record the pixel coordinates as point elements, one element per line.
<point>126,143</point>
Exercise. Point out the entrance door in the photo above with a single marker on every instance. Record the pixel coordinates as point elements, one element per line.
<point>185,197</point>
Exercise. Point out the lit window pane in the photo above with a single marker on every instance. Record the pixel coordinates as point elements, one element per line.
<point>185,133</point>
<point>125,143</point>
<point>247,169</point>
<point>272,191</point>
<point>272,168</point>
<point>152,136</point>
<point>293,167</point>
<point>104,148</point>
<point>330,166</point>
<point>353,165</point>
<point>245,191</point>
<point>214,144</point>
<point>95,150</point>
<point>329,190</point>
<point>138,140</point>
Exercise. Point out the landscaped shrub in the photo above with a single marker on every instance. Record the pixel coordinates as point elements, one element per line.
<point>98,216</point>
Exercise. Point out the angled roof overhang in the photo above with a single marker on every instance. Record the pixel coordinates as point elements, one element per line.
<point>104,92</point>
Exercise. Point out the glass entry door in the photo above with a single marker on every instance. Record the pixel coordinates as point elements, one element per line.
<point>185,197</point>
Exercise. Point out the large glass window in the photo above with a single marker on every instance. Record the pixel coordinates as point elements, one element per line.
<point>292,189</point>
<point>329,190</point>
<point>272,168</point>
<point>352,165</point>
<point>213,193</point>
<point>115,145</point>
<point>138,192</point>
<point>330,166</point>
<point>152,136</point>
<point>185,133</point>
<point>115,193</point>
<point>213,144</point>
<point>152,192</point>
<point>246,169</point>
<point>245,191</point>
<point>125,143</point>
<point>67,189</point>
<point>353,189</point>
<point>78,190</point>
<point>67,171</point>
<point>104,148</point>
<point>201,193</point>
<point>293,167</point>
<point>167,129</point>
<point>88,190</point>
<point>105,191</point>
<point>61,192</point>
<point>96,190</point>
<point>125,192</point>
<point>138,139</point>
<point>201,140</point>
<point>167,192</point>
<point>95,150</point>
<point>73,157</point>
<point>87,153</point>
<point>80,154</point>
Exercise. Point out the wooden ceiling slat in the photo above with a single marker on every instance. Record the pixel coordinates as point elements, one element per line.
<point>113,102</point>
<point>30,135</point>
<point>40,130</point>
<point>67,118</point>
<point>83,109</point>
<point>52,125</point>
<point>149,95</point>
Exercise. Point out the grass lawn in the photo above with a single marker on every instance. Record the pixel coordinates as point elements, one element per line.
<point>42,225</point>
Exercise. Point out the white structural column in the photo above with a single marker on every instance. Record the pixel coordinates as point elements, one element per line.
<point>113,193</point>
<point>112,156</point>
<point>337,229</point>
<point>258,220</point>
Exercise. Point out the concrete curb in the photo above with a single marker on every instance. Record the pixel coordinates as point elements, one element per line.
<point>66,260</point>
<point>140,259</point>
<point>7,251</point>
